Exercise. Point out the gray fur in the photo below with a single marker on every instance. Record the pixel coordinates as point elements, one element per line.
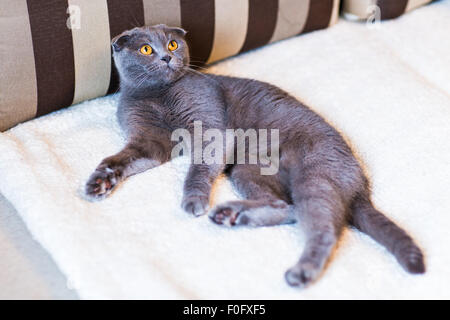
<point>319,182</point>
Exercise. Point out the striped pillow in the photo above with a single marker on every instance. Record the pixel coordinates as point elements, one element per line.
<point>46,65</point>
<point>388,9</point>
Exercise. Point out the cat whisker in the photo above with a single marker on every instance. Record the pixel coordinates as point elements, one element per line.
<point>197,67</point>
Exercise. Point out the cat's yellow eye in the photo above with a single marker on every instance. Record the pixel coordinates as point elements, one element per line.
<point>173,45</point>
<point>146,49</point>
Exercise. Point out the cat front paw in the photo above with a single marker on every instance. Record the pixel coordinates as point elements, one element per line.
<point>101,183</point>
<point>196,205</point>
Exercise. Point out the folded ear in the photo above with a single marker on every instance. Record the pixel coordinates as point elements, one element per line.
<point>119,41</point>
<point>179,31</point>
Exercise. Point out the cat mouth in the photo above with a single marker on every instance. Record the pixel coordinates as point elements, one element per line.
<point>173,68</point>
<point>166,69</point>
<point>159,69</point>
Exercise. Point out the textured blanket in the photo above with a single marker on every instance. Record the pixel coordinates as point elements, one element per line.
<point>386,88</point>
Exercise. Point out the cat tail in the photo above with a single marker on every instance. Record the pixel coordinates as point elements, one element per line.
<point>375,224</point>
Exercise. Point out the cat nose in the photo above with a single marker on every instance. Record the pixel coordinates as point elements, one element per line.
<point>166,58</point>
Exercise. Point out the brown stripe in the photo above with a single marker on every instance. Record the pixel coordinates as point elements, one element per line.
<point>262,19</point>
<point>319,15</point>
<point>123,15</point>
<point>392,9</point>
<point>197,18</point>
<point>53,54</point>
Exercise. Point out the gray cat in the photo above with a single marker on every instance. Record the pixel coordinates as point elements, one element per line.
<point>319,181</point>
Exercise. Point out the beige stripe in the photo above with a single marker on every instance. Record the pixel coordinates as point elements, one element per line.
<point>18,90</point>
<point>412,4</point>
<point>335,13</point>
<point>230,28</point>
<point>162,11</point>
<point>292,16</point>
<point>91,46</point>
<point>358,8</point>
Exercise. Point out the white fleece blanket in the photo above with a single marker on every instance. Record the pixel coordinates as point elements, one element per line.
<point>387,89</point>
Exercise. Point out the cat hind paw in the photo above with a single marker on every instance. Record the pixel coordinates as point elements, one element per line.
<point>225,215</point>
<point>302,275</point>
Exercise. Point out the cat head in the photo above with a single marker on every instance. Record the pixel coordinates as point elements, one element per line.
<point>151,56</point>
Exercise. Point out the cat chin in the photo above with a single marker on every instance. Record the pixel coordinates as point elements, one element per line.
<point>172,75</point>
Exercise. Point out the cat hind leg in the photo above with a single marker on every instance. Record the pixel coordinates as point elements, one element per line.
<point>322,215</point>
<point>266,204</point>
<point>253,213</point>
